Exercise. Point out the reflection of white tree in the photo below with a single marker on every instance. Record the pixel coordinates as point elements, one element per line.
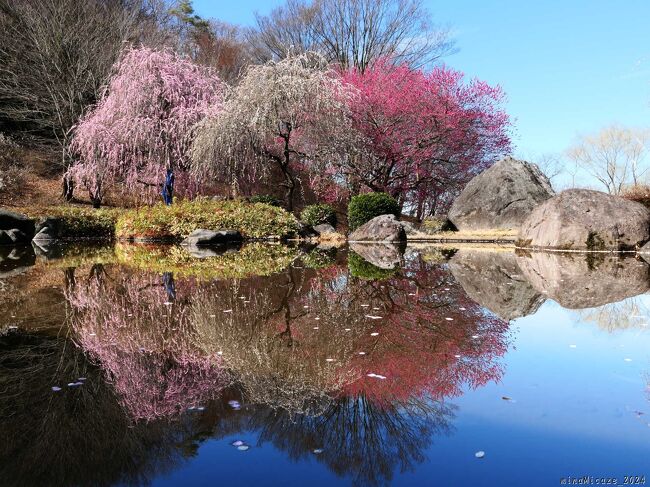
<point>632,313</point>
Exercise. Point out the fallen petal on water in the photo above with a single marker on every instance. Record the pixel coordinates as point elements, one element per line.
<point>243,447</point>
<point>479,454</point>
<point>56,388</point>
<point>317,451</point>
<point>237,443</point>
<point>374,334</point>
<point>373,317</point>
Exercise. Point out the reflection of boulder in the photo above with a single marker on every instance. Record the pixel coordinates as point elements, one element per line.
<point>384,256</point>
<point>494,280</point>
<point>15,260</point>
<point>201,237</point>
<point>586,219</point>
<point>580,280</point>
<point>501,196</point>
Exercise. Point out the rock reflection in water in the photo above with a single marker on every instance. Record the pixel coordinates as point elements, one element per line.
<point>295,348</point>
<point>494,280</point>
<point>583,280</point>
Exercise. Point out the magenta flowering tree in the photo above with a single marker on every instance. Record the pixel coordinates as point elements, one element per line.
<point>426,133</point>
<point>142,126</point>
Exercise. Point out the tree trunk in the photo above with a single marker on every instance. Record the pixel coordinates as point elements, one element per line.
<point>68,188</point>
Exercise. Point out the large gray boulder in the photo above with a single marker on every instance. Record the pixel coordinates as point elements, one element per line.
<point>495,281</point>
<point>583,219</point>
<point>383,228</point>
<point>578,280</point>
<point>502,196</point>
<point>203,237</point>
<point>10,220</point>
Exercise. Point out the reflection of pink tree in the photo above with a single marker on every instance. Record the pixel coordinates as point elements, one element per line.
<point>145,343</point>
<point>431,338</point>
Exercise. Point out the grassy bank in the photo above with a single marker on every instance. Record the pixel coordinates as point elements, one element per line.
<point>160,222</point>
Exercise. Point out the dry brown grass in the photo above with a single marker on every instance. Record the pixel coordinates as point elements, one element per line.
<point>479,236</point>
<point>333,238</point>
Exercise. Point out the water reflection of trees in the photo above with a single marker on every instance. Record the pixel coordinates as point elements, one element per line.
<point>77,436</point>
<point>296,349</point>
<point>359,438</point>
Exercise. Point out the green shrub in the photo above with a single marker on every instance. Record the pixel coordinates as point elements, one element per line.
<point>365,207</point>
<point>318,214</point>
<point>253,220</point>
<point>361,268</point>
<point>265,198</point>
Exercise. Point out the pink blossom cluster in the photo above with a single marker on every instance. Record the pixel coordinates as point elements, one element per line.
<point>143,124</point>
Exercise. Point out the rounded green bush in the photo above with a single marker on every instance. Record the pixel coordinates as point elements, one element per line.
<point>365,207</point>
<point>265,198</point>
<point>318,214</point>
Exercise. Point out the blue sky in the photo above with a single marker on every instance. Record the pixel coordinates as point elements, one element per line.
<point>569,67</point>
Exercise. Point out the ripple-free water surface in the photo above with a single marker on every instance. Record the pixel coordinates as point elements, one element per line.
<point>180,363</point>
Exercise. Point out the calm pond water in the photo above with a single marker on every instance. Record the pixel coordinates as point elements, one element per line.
<point>272,365</point>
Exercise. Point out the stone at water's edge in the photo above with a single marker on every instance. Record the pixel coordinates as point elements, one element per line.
<point>383,228</point>
<point>15,221</point>
<point>584,280</point>
<point>494,280</point>
<point>324,228</point>
<point>383,255</point>
<point>584,219</point>
<point>502,196</point>
<point>203,237</point>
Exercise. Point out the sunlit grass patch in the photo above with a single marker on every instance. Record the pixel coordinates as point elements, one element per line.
<point>253,220</point>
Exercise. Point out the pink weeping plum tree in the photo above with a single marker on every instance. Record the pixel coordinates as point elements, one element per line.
<point>138,136</point>
<point>426,133</point>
